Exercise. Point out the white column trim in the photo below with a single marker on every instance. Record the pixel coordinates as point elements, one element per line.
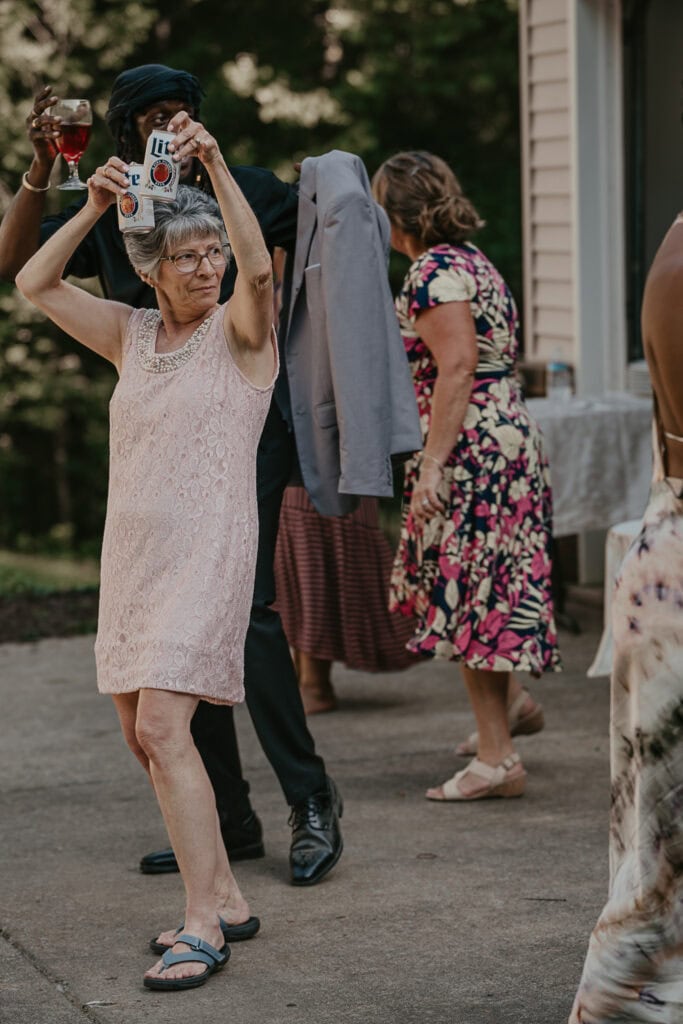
<point>598,195</point>
<point>524,114</point>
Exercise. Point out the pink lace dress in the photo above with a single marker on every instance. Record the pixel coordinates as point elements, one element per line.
<point>180,537</point>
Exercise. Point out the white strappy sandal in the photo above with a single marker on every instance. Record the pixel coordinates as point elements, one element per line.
<point>497,781</point>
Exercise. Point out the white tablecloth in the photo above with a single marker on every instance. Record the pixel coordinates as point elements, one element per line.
<point>600,452</point>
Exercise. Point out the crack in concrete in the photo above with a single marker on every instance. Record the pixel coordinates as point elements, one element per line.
<point>59,984</point>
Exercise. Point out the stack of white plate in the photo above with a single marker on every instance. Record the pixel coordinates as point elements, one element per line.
<point>638,379</point>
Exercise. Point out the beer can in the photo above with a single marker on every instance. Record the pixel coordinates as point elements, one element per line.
<point>160,173</point>
<point>136,214</point>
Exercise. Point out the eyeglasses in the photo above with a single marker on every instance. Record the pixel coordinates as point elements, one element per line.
<point>188,262</point>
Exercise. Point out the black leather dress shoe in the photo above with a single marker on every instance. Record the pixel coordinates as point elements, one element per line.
<point>243,842</point>
<point>316,837</point>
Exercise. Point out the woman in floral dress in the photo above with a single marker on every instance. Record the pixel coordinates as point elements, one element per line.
<point>473,563</point>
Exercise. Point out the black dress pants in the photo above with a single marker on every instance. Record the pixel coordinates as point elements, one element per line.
<point>270,682</point>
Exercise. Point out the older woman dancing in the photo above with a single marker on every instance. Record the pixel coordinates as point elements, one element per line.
<point>180,536</point>
<point>473,562</point>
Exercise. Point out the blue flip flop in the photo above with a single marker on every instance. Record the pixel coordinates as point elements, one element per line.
<point>201,952</point>
<point>231,933</point>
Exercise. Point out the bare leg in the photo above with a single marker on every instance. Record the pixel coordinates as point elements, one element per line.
<point>229,901</point>
<point>126,705</point>
<point>514,688</point>
<point>525,717</point>
<point>488,692</point>
<point>188,806</point>
<point>515,691</point>
<point>317,693</point>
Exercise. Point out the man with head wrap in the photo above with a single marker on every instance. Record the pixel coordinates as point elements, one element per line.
<point>144,99</point>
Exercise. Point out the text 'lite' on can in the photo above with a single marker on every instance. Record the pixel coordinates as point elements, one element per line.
<point>160,173</point>
<point>136,213</point>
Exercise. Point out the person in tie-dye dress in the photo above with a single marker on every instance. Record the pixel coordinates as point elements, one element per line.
<point>634,967</point>
<point>473,563</point>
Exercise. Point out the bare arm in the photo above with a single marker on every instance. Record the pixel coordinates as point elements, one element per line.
<point>249,314</point>
<point>448,332</point>
<point>97,323</point>
<point>20,228</point>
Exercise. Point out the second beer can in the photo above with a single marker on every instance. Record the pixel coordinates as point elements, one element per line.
<point>136,214</point>
<point>160,172</point>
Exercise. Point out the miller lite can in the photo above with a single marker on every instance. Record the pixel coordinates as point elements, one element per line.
<point>136,214</point>
<point>160,173</point>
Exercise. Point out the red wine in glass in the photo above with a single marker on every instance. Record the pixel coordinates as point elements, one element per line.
<point>75,127</point>
<point>73,141</point>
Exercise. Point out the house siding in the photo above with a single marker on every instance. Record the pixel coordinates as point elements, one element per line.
<point>550,327</point>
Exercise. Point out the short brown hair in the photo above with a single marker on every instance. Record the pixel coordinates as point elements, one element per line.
<point>423,197</point>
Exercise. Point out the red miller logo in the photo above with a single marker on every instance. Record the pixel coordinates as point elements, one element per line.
<point>128,204</point>
<point>161,172</point>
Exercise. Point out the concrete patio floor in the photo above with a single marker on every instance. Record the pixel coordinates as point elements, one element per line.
<point>436,914</point>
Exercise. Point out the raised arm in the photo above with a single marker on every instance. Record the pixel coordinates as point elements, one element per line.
<point>97,323</point>
<point>20,228</point>
<point>249,313</point>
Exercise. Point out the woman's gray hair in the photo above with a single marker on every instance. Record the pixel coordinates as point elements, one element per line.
<point>192,214</point>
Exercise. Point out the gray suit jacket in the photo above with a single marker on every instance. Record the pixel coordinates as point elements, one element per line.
<point>352,398</point>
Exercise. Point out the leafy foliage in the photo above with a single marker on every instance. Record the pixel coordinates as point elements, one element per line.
<point>78,46</point>
<point>53,436</point>
<point>53,399</point>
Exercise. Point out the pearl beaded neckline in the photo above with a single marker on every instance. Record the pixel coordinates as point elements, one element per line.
<point>163,362</point>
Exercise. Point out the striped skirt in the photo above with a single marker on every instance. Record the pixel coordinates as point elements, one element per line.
<point>332,581</point>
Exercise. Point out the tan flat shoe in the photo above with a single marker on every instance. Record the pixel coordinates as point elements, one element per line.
<point>520,725</point>
<point>496,781</point>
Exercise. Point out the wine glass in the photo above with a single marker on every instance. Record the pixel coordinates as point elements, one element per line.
<point>75,128</point>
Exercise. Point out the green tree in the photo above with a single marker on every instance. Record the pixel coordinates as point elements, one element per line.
<point>53,436</point>
<point>75,45</point>
<point>440,76</point>
<point>53,395</point>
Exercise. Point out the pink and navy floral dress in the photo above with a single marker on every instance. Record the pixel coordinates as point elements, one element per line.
<point>477,577</point>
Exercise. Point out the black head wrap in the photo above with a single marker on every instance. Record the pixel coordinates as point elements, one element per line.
<point>138,88</point>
